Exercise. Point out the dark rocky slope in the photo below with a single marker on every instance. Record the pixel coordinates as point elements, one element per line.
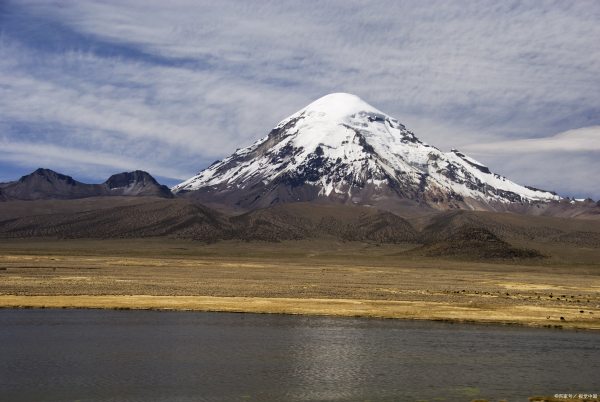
<point>44,184</point>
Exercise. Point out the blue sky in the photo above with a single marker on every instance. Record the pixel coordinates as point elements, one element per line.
<point>91,88</point>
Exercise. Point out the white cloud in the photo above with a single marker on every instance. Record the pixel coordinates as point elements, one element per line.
<point>586,139</point>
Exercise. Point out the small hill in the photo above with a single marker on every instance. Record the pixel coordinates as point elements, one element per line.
<point>136,183</point>
<point>45,184</point>
<point>474,244</point>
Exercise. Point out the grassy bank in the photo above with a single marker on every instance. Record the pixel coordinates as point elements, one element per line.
<point>322,278</point>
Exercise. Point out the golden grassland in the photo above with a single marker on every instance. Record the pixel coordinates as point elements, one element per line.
<point>300,277</point>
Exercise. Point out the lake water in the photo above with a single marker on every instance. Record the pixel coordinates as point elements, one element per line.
<point>104,355</point>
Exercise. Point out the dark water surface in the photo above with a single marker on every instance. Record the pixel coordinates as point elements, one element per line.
<point>104,355</point>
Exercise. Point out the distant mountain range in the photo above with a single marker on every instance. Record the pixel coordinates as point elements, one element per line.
<point>342,149</point>
<point>45,184</point>
<point>338,170</point>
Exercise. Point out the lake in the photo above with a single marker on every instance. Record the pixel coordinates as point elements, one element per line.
<point>106,355</point>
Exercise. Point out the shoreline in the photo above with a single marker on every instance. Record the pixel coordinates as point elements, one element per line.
<point>528,316</point>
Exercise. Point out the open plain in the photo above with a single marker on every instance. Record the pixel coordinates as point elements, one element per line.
<point>323,277</point>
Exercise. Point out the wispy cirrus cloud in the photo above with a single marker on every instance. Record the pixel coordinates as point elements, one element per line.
<point>185,82</point>
<point>585,139</point>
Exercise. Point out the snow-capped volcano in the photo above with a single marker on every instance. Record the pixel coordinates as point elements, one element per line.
<point>340,147</point>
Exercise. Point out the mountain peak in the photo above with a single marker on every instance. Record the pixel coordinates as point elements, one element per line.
<point>136,183</point>
<point>48,175</point>
<point>339,105</point>
<point>341,148</point>
<point>43,171</point>
<point>126,179</point>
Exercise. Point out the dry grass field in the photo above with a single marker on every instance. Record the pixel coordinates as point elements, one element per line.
<point>327,277</point>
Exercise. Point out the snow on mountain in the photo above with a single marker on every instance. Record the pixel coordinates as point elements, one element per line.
<point>343,148</point>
